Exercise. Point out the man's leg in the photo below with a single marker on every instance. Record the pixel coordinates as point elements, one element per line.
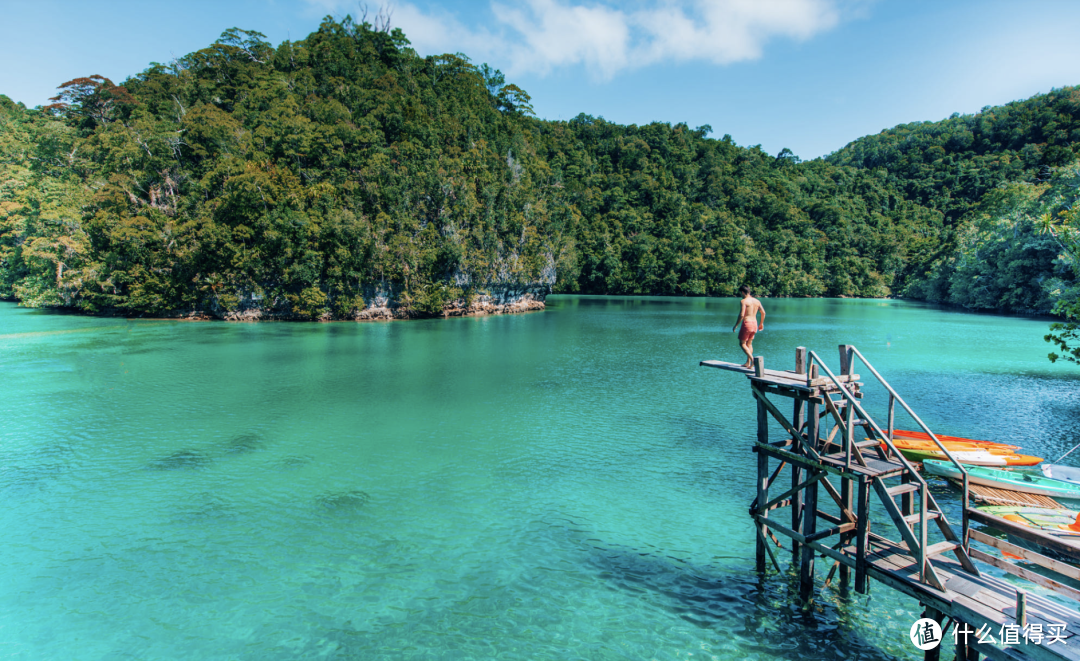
<point>748,349</point>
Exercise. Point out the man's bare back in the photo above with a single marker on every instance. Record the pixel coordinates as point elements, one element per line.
<point>748,320</point>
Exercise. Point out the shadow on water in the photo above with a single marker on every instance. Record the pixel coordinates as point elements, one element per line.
<point>245,443</point>
<point>762,613</point>
<point>34,470</point>
<point>182,460</point>
<point>291,462</point>
<point>204,507</point>
<point>698,433</point>
<point>343,502</point>
<point>194,459</point>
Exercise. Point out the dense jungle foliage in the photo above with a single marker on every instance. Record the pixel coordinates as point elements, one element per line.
<point>310,178</point>
<point>1008,183</point>
<point>305,177</point>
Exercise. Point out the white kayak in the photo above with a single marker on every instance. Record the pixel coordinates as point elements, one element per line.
<point>1059,472</point>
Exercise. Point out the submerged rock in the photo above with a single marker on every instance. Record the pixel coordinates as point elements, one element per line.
<point>244,443</point>
<point>343,501</point>
<point>182,460</point>
<point>292,462</point>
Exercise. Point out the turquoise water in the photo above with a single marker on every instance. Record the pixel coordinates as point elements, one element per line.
<point>559,485</point>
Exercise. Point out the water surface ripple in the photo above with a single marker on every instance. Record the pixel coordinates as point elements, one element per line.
<point>560,485</point>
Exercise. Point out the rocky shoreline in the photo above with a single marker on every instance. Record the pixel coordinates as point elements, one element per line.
<point>383,305</point>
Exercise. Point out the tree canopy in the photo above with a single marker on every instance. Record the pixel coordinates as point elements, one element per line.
<point>309,178</point>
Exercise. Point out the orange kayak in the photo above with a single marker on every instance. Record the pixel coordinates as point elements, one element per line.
<point>921,436</point>
<point>931,448</point>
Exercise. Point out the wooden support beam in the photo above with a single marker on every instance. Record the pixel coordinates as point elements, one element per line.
<point>806,462</point>
<point>793,490</point>
<point>1063,568</point>
<point>817,546</point>
<point>764,544</point>
<point>806,554</point>
<point>1025,533</point>
<point>933,654</point>
<point>1021,607</point>
<point>798,419</point>
<point>845,359</point>
<point>771,408</point>
<point>862,518</point>
<point>845,535</point>
<point>1027,574</point>
<point>845,508</point>
<point>762,487</point>
<point>829,532</point>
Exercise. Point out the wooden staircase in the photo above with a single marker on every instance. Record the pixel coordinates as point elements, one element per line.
<point>917,506</point>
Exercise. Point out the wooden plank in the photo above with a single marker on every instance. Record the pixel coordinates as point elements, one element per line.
<point>994,496</point>
<point>907,534</point>
<point>1026,574</point>
<point>817,546</point>
<point>1007,592</point>
<point>873,467</point>
<point>791,457</point>
<point>1063,568</point>
<point>1025,533</point>
<point>793,490</point>
<point>829,532</point>
<point>779,374</point>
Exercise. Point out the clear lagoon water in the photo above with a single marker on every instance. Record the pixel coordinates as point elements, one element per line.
<point>566,484</point>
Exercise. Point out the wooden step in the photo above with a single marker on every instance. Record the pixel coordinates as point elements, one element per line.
<point>903,488</point>
<point>867,444</point>
<point>941,547</point>
<point>930,516</point>
<point>873,468</point>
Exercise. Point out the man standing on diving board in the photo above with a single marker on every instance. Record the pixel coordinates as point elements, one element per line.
<point>748,320</point>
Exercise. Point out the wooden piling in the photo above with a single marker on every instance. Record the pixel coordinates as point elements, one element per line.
<point>798,419</point>
<point>933,654</point>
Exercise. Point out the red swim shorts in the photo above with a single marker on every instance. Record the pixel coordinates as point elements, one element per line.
<point>748,331</point>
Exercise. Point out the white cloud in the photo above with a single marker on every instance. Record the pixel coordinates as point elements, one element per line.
<point>537,36</point>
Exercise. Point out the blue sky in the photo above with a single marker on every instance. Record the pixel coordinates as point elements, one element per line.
<point>810,75</point>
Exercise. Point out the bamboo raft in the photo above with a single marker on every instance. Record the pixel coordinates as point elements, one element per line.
<point>930,561</point>
<point>981,493</point>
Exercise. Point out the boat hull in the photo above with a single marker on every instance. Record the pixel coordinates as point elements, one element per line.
<point>969,458</point>
<point>1001,479</point>
<point>922,436</point>
<point>932,451</point>
<point>1059,472</point>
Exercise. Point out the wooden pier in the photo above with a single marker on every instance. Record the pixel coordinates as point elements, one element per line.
<point>842,466</point>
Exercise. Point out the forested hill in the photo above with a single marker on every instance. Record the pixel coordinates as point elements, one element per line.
<point>1007,180</point>
<point>951,164</point>
<point>319,178</point>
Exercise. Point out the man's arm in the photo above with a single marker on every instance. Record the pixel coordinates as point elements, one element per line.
<point>742,314</point>
<point>761,307</point>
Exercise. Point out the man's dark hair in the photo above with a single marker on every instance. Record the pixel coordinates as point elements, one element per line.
<point>744,290</point>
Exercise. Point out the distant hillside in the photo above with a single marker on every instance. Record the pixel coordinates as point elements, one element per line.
<point>1002,177</point>
<point>312,179</point>
<point>950,165</point>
